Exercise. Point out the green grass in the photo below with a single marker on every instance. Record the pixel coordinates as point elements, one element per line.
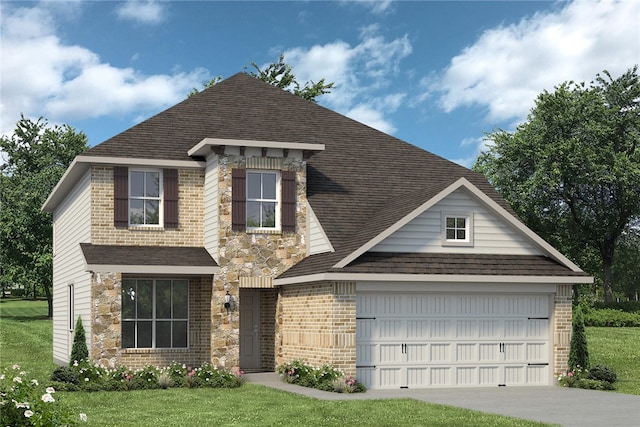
<point>619,349</point>
<point>25,339</point>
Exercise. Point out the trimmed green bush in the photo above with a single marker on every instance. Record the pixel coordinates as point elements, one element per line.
<point>65,374</point>
<point>578,351</point>
<point>325,377</point>
<point>79,350</point>
<point>602,373</point>
<point>608,317</point>
<point>593,384</point>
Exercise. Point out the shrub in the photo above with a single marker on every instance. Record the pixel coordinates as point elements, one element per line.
<point>27,403</point>
<point>593,384</point>
<point>578,351</point>
<point>325,377</point>
<point>602,373</point>
<point>79,349</point>
<point>609,317</point>
<point>65,374</point>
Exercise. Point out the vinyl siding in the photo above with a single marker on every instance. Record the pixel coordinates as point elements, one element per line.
<point>72,226</point>
<point>318,241</point>
<point>491,236</point>
<point>211,207</point>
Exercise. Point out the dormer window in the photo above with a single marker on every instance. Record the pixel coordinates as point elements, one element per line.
<point>457,229</point>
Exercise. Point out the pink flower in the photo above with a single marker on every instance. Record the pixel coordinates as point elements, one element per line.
<point>28,413</point>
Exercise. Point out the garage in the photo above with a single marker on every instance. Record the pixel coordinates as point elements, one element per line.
<point>424,340</point>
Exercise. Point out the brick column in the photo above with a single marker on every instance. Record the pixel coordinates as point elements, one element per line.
<point>562,325</point>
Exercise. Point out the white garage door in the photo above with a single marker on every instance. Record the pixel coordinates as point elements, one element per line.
<point>449,340</point>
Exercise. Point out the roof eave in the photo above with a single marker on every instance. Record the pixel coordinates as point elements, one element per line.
<point>203,148</point>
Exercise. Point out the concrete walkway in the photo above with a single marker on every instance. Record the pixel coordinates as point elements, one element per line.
<point>555,405</point>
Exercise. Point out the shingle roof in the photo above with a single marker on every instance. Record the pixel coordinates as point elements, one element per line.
<point>147,255</point>
<point>362,183</point>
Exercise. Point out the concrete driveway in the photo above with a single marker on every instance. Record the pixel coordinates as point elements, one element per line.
<point>555,405</point>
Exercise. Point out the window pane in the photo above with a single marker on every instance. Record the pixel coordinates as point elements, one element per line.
<point>180,299</point>
<point>163,299</point>
<point>180,334</point>
<point>451,222</point>
<point>152,212</point>
<point>136,211</point>
<point>128,299</point>
<point>269,186</point>
<point>128,334</point>
<point>253,185</point>
<point>253,214</point>
<point>144,335</point>
<point>451,234</point>
<point>268,214</point>
<point>144,299</point>
<point>137,184</point>
<point>152,184</point>
<point>163,334</point>
<point>460,235</point>
<point>460,222</point>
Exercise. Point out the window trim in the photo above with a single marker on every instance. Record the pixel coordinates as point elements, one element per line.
<point>160,197</point>
<point>277,200</point>
<point>468,217</point>
<point>71,307</point>
<point>154,318</point>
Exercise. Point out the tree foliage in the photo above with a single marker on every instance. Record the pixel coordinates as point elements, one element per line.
<point>572,170</point>
<point>578,349</point>
<point>280,74</point>
<point>34,158</point>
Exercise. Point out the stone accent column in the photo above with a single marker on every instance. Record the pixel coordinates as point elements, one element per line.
<point>248,254</point>
<point>106,315</point>
<point>562,325</point>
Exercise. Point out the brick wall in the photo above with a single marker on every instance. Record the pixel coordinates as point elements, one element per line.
<point>190,231</point>
<point>562,325</point>
<point>317,324</point>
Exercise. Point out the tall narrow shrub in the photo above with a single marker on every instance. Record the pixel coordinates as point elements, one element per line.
<point>578,351</point>
<point>79,350</point>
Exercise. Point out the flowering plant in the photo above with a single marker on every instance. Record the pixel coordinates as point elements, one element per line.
<point>569,377</point>
<point>325,377</point>
<point>25,402</point>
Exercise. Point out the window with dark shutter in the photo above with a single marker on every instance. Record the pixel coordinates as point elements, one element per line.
<point>170,187</point>
<point>120,196</point>
<point>288,219</point>
<point>238,199</point>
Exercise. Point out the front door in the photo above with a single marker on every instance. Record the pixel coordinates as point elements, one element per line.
<point>249,329</point>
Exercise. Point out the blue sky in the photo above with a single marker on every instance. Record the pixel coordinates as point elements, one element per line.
<point>436,74</point>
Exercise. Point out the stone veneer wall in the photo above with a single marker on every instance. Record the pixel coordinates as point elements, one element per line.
<point>248,254</point>
<point>562,326</point>
<point>190,210</point>
<point>106,333</point>
<point>317,323</point>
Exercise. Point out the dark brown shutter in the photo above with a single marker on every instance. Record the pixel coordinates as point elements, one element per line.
<point>288,201</point>
<point>120,196</point>
<point>170,188</point>
<point>238,199</point>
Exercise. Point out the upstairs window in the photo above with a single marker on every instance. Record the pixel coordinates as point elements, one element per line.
<point>457,229</point>
<point>145,190</point>
<point>262,199</point>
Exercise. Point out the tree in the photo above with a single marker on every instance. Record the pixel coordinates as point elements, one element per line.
<point>572,170</point>
<point>626,267</point>
<point>35,156</point>
<point>280,74</point>
<point>79,350</point>
<point>578,350</point>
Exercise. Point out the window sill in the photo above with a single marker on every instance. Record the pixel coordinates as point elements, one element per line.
<point>154,350</point>
<point>145,228</point>
<point>263,231</point>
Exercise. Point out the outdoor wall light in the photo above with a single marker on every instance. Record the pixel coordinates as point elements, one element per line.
<point>229,301</point>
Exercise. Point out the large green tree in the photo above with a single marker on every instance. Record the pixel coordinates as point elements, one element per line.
<point>280,74</point>
<point>34,158</point>
<point>572,170</point>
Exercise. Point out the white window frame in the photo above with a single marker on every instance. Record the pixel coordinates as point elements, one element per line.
<point>468,240</point>
<point>277,200</point>
<point>160,197</point>
<point>154,318</point>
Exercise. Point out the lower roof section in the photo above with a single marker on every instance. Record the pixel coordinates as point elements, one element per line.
<point>148,259</point>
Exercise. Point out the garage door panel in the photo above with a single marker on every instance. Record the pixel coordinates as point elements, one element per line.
<point>423,340</point>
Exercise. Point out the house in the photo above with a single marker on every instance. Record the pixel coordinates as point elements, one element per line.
<point>247,227</point>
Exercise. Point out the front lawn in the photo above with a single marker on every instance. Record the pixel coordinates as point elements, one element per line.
<point>619,349</point>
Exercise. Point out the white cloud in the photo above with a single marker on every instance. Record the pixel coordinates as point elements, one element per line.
<point>508,66</point>
<point>144,12</point>
<point>363,74</point>
<point>43,76</point>
<point>478,145</point>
